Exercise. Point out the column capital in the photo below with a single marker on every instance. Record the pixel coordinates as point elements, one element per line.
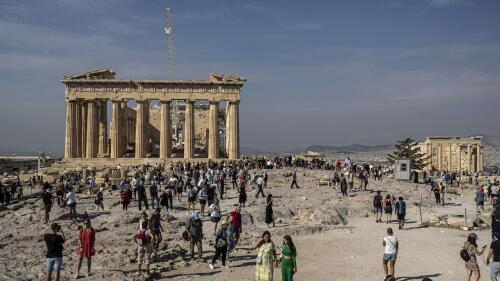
<point>236,102</point>
<point>213,101</point>
<point>190,101</point>
<point>165,101</point>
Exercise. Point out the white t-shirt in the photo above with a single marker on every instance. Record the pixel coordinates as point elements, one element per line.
<point>494,189</point>
<point>71,197</point>
<point>390,245</point>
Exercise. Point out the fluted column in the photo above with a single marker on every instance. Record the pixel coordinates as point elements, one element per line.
<point>165,130</point>
<point>139,130</point>
<point>83,128</point>
<point>478,159</point>
<point>116,124</point>
<point>124,132</point>
<point>469,158</point>
<point>213,130</point>
<point>91,150</point>
<point>189,130</point>
<point>449,157</point>
<point>234,143</point>
<point>78,130</point>
<point>103,120</point>
<point>146,127</point>
<point>440,160</point>
<point>228,125</point>
<point>70,140</point>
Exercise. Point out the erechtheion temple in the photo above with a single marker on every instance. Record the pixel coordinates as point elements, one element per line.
<point>136,133</point>
<point>453,153</point>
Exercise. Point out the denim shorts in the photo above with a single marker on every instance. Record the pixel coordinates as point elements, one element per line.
<point>54,264</point>
<point>495,269</point>
<point>390,257</point>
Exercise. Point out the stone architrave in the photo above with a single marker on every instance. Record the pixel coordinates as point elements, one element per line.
<point>116,129</point>
<point>139,130</point>
<point>91,150</point>
<point>189,130</point>
<point>213,131</point>
<point>165,130</point>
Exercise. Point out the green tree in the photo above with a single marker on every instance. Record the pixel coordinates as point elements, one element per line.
<point>408,149</point>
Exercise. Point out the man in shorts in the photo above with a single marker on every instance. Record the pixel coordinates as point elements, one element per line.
<point>400,208</point>
<point>54,242</point>
<point>144,247</point>
<point>391,245</point>
<point>495,253</point>
<point>377,206</point>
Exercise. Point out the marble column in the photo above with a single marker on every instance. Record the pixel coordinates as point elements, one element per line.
<point>124,132</point>
<point>103,120</point>
<point>83,128</point>
<point>228,125</point>
<point>78,127</point>
<point>70,140</point>
<point>213,130</point>
<point>189,130</point>
<point>234,143</point>
<point>165,130</point>
<point>449,158</point>
<point>91,150</point>
<point>116,130</point>
<point>469,158</point>
<point>478,159</point>
<point>440,161</point>
<point>146,128</point>
<point>459,167</point>
<point>139,130</point>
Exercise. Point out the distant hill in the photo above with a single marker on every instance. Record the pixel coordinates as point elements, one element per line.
<point>343,149</point>
<point>490,140</point>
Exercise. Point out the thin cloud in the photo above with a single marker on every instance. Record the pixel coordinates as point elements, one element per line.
<point>308,26</point>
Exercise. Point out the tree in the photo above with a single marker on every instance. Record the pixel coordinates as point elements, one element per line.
<point>408,149</point>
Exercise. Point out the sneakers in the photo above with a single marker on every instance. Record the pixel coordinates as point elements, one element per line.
<point>77,276</point>
<point>211,266</point>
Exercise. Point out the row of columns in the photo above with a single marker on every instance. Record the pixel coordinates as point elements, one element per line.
<point>86,126</point>
<point>474,161</point>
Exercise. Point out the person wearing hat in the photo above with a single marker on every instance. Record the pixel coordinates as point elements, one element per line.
<point>471,265</point>
<point>220,244</point>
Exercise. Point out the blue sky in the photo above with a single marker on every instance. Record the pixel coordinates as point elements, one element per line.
<point>319,72</point>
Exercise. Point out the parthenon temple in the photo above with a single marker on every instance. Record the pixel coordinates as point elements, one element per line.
<point>453,154</point>
<point>172,119</point>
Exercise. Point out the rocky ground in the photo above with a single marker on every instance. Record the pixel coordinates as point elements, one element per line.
<point>337,238</point>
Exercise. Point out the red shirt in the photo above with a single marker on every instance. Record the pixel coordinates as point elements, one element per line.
<point>236,218</point>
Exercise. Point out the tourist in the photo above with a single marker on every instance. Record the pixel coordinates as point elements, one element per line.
<point>269,210</point>
<point>388,208</point>
<point>343,186</point>
<point>141,195</point>
<point>125,198</point>
<point>60,192</point>
<point>215,213</point>
<point>179,188</point>
<point>391,245</point>
<point>471,265</point>
<point>86,246</point>
<point>237,225</point>
<point>48,201</point>
<point>202,199</point>
<point>242,198</point>
<point>230,236</point>
<point>288,259</point>
<point>265,177</point>
<point>495,253</point>
<point>437,192</point>
<point>266,256</point>
<point>164,203</point>
<point>191,194</point>
<point>220,244</point>
<point>54,242</point>
<point>99,200</point>
<point>194,228</point>
<point>156,229</point>
<point>495,224</point>
<point>400,208</point>
<point>260,184</point>
<point>480,196</point>
<point>377,206</point>
<point>142,238</point>
<point>442,191</point>
<point>71,202</point>
<point>294,179</point>
<point>153,192</point>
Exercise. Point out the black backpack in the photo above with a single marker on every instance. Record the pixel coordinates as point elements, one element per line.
<point>464,254</point>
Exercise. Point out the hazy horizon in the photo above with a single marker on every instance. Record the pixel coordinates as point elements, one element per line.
<point>329,73</point>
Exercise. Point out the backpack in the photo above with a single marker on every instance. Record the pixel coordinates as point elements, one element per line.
<point>464,254</point>
<point>142,237</point>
